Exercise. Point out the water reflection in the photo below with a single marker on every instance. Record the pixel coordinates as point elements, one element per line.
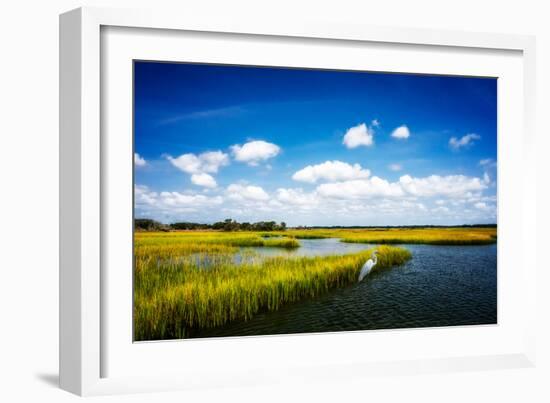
<point>311,247</point>
<point>256,254</point>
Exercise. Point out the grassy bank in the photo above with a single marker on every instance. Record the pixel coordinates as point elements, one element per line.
<point>433,236</point>
<point>184,243</point>
<point>195,241</point>
<point>173,295</point>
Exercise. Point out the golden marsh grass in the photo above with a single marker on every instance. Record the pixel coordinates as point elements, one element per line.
<point>191,279</point>
<point>175,290</point>
<point>433,236</point>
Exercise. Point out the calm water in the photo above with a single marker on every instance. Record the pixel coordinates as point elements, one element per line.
<point>439,286</point>
<point>313,247</point>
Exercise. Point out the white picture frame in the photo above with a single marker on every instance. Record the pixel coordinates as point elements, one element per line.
<point>84,312</point>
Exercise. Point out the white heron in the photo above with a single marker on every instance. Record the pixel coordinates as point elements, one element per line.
<point>367,267</point>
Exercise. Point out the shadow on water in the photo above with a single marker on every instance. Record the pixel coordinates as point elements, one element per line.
<point>439,286</point>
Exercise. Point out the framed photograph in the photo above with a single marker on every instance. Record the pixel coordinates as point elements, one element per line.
<point>237,198</point>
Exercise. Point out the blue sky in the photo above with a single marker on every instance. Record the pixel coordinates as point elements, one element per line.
<point>313,147</point>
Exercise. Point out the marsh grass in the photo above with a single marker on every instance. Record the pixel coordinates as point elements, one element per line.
<point>174,295</point>
<point>180,243</point>
<point>433,236</point>
<point>191,279</point>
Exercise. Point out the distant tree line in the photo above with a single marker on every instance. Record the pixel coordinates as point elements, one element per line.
<point>146,224</point>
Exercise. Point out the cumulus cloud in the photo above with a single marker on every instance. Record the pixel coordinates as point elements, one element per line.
<point>360,188</point>
<point>144,197</point>
<point>213,160</point>
<point>434,185</point>
<point>297,197</point>
<point>204,179</point>
<point>246,193</point>
<point>188,200</point>
<point>139,161</point>
<point>201,166</point>
<point>255,152</point>
<point>371,200</point>
<point>452,185</point>
<point>395,167</point>
<point>357,136</point>
<point>342,192</point>
<point>402,132</point>
<point>331,171</point>
<point>208,162</point>
<point>188,163</point>
<point>465,141</point>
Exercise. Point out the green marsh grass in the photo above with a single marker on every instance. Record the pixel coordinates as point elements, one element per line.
<point>191,279</point>
<point>191,242</point>
<point>174,291</point>
<point>432,236</point>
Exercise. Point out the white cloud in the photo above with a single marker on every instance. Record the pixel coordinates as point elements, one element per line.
<point>434,185</point>
<point>375,123</point>
<point>486,178</point>
<point>162,201</point>
<point>255,152</point>
<point>188,200</point>
<point>188,163</point>
<point>360,188</point>
<point>213,160</point>
<point>332,171</point>
<point>208,162</point>
<point>246,192</point>
<point>205,180</point>
<point>464,141</point>
<point>297,197</point>
<point>402,132</point>
<point>143,195</point>
<point>452,185</point>
<point>454,199</point>
<point>359,135</point>
<point>139,161</point>
<point>200,166</point>
<point>395,167</point>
